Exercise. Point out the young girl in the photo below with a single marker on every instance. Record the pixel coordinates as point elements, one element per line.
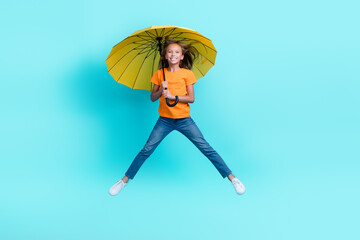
<point>179,82</point>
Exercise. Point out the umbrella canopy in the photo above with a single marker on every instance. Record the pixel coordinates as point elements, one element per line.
<point>134,60</point>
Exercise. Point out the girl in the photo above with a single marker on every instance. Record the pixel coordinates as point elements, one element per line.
<point>179,82</point>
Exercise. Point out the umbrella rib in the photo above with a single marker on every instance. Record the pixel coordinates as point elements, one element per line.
<point>199,70</point>
<point>140,44</point>
<point>128,65</point>
<point>135,48</point>
<point>162,31</point>
<point>146,35</point>
<point>154,62</point>
<point>142,37</point>
<point>156,32</point>
<point>152,36</point>
<point>137,75</point>
<point>176,35</point>
<point>147,46</point>
<point>170,30</point>
<point>141,41</point>
<point>195,33</point>
<point>129,37</point>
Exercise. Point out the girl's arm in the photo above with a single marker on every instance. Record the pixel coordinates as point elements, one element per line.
<point>156,93</point>
<point>190,98</point>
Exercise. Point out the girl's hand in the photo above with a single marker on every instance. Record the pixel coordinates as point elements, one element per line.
<point>167,94</point>
<point>164,85</point>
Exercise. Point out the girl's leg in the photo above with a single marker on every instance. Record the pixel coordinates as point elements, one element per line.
<point>161,129</point>
<point>231,177</point>
<point>125,179</point>
<point>193,133</point>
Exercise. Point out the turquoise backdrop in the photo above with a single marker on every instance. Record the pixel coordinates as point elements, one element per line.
<point>281,106</point>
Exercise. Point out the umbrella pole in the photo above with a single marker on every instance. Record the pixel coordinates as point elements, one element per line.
<point>163,70</point>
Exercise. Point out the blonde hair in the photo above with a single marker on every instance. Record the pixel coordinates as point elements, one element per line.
<point>190,54</point>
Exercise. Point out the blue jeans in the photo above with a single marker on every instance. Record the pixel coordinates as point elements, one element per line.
<point>187,127</point>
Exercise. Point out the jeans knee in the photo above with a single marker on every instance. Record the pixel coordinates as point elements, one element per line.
<point>209,152</point>
<point>205,148</point>
<point>147,150</point>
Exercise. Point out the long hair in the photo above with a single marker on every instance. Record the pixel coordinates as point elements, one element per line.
<point>190,54</point>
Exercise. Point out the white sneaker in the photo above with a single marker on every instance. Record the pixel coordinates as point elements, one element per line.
<point>115,189</point>
<point>239,187</point>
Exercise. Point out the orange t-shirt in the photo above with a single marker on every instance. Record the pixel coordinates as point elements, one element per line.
<point>177,82</point>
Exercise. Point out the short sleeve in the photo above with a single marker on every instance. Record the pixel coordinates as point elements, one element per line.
<point>190,78</point>
<point>155,78</point>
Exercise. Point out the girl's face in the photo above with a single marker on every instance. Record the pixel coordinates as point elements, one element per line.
<point>174,54</point>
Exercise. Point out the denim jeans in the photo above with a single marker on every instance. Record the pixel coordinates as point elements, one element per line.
<point>187,127</point>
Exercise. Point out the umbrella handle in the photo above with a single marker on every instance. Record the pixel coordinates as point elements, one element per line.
<point>172,105</point>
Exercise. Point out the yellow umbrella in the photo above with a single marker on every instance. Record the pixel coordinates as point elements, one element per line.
<point>134,60</point>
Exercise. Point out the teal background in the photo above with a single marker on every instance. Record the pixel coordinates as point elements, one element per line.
<point>281,106</point>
